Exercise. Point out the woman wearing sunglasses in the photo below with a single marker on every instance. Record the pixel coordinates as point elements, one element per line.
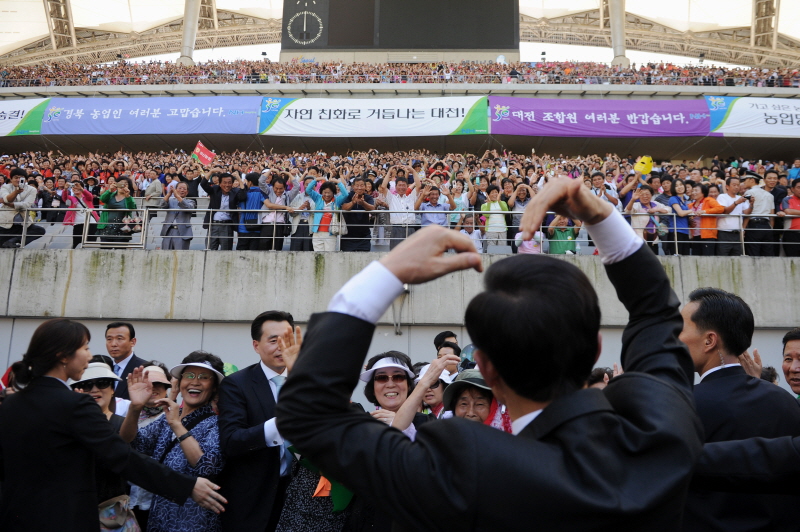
<point>185,439</point>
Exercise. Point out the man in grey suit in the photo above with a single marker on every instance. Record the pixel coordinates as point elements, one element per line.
<point>177,231</point>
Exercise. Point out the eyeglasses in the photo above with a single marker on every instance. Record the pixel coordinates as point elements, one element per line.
<point>86,386</point>
<point>435,385</point>
<point>398,377</point>
<point>189,376</point>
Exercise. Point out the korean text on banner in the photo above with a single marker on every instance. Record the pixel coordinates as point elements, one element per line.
<point>598,118</point>
<point>149,116</point>
<point>754,117</point>
<point>390,117</point>
<point>22,117</point>
<point>203,154</point>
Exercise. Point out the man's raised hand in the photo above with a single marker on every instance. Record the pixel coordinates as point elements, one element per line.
<point>421,257</point>
<point>567,197</point>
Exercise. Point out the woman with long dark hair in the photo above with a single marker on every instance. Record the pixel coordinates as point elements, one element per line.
<point>51,437</point>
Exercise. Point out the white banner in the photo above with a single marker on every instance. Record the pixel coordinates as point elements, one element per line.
<point>374,117</point>
<point>754,117</point>
<point>21,117</point>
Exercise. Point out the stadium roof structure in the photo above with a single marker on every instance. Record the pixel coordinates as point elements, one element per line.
<point>747,32</point>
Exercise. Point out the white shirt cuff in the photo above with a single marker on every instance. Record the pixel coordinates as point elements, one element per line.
<point>368,294</point>
<point>615,238</point>
<point>273,437</point>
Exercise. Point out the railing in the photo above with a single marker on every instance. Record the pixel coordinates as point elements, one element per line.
<point>398,78</point>
<point>377,234</point>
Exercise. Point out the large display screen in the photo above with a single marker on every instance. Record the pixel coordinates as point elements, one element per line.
<point>401,24</point>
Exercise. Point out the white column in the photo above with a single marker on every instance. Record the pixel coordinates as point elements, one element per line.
<point>191,18</point>
<point>616,15</point>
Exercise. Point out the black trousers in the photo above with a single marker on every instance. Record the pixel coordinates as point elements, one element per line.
<point>271,237</point>
<point>791,243</point>
<point>301,239</point>
<point>729,244</point>
<point>758,238</point>
<point>708,247</point>
<point>669,243</point>
<point>77,234</point>
<point>12,237</point>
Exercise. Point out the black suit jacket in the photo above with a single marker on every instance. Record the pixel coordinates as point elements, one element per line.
<point>215,201</point>
<point>50,438</point>
<point>121,391</point>
<point>734,406</point>
<point>618,459</point>
<point>252,470</point>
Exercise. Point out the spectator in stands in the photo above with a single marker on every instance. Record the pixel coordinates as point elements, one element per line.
<point>400,198</point>
<point>758,235</point>
<point>186,439</point>
<point>76,197</point>
<point>327,204</point>
<point>729,228</point>
<point>177,228</point>
<point>791,359</point>
<point>301,226</point>
<point>223,216</point>
<point>791,206</point>
<point>496,228</point>
<point>469,397</point>
<point>679,223</point>
<point>275,224</point>
<point>48,199</point>
<point>357,204</point>
<point>794,171</point>
<point>562,235</point>
<point>718,328</point>
<point>158,375</point>
<point>117,204</point>
<point>153,193</point>
<point>645,219</point>
<point>523,194</point>
<point>16,199</point>
<point>466,225</point>
<point>428,202</point>
<point>464,196</point>
<point>704,204</point>
<point>251,199</point>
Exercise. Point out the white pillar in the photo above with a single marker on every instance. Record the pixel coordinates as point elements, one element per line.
<point>616,15</point>
<point>191,20</point>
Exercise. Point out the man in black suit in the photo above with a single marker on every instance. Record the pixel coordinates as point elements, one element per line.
<point>718,328</point>
<point>258,464</point>
<point>580,458</point>
<point>120,341</point>
<point>222,196</point>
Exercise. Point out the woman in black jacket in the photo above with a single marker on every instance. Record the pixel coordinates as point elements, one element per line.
<point>50,438</point>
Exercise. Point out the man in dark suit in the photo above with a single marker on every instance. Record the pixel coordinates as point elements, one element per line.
<point>258,464</point>
<point>120,341</point>
<point>222,196</point>
<point>718,328</point>
<point>580,458</point>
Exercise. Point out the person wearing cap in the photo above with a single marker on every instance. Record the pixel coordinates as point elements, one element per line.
<point>470,398</point>
<point>758,226</point>
<point>185,439</point>
<point>158,375</point>
<point>536,329</point>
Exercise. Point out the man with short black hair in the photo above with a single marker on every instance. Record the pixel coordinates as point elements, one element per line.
<point>732,405</point>
<point>16,198</point>
<point>444,336</point>
<point>120,341</point>
<point>729,228</point>
<point>357,206</point>
<point>223,203</point>
<point>791,359</point>
<point>258,465</point>
<point>620,458</point>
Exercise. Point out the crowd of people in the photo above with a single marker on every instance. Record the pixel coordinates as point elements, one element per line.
<point>362,199</point>
<point>639,449</point>
<point>243,71</point>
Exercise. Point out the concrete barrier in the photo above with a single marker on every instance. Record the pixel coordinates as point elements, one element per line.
<point>224,286</point>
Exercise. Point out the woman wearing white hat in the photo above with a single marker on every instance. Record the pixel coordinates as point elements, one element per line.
<point>185,439</point>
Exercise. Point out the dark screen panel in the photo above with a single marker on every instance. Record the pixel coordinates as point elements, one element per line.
<point>351,23</point>
<point>436,24</point>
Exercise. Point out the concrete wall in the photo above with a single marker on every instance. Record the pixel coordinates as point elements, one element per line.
<point>235,286</point>
<point>182,301</point>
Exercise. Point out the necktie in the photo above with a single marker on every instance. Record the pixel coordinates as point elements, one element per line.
<point>118,373</point>
<point>286,455</point>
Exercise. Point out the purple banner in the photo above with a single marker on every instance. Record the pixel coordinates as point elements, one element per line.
<point>598,118</point>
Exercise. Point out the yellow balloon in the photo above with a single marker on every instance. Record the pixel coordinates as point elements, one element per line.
<point>645,164</point>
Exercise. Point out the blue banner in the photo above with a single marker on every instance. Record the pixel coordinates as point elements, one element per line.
<point>151,116</point>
